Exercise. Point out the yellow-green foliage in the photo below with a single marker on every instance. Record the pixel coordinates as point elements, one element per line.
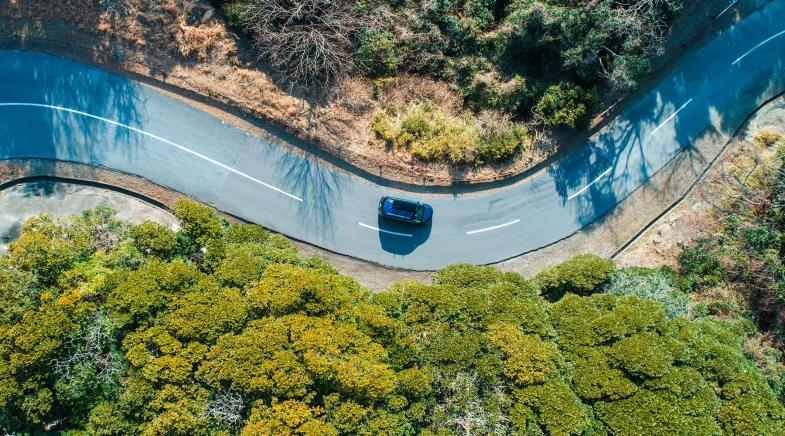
<point>583,274</point>
<point>647,373</point>
<point>48,247</point>
<point>767,138</point>
<point>199,222</point>
<point>118,337</point>
<point>430,133</point>
<point>153,238</point>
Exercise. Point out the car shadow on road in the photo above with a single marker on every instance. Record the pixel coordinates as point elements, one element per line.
<point>402,238</point>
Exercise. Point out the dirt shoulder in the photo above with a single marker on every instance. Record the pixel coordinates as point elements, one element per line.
<point>163,44</point>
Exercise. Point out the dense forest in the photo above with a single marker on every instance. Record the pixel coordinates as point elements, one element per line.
<point>516,65</point>
<point>111,328</point>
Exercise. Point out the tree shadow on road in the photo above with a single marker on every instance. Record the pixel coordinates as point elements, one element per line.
<point>54,133</point>
<point>640,141</point>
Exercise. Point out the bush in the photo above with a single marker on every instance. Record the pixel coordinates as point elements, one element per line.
<point>651,284</point>
<point>581,275</point>
<point>767,138</point>
<point>199,222</point>
<point>567,105</point>
<point>628,70</point>
<point>430,133</point>
<point>154,239</point>
<point>701,266</point>
<point>376,54</point>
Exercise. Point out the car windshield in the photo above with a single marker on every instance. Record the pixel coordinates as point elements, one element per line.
<point>419,210</point>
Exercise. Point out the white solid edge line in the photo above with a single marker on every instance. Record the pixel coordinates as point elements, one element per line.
<point>605,173</point>
<point>165,141</point>
<point>667,120</point>
<point>758,46</point>
<point>385,231</point>
<point>494,227</point>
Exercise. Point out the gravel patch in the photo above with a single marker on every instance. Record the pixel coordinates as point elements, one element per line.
<point>25,200</point>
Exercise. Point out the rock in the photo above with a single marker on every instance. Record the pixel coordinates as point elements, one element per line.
<point>195,16</point>
<point>672,218</point>
<point>210,13</point>
<point>666,231</point>
<point>699,206</point>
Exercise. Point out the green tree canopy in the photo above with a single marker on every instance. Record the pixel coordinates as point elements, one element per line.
<point>102,333</point>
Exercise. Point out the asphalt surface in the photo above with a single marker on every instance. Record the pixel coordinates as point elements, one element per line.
<point>57,109</point>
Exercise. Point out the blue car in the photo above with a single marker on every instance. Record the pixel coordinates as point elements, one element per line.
<point>405,210</point>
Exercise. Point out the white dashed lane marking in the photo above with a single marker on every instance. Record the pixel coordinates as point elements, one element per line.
<point>667,120</point>
<point>408,235</point>
<point>487,229</point>
<point>759,45</point>
<point>605,173</point>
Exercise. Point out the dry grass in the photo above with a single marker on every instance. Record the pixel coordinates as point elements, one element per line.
<point>406,89</point>
<point>767,138</point>
<point>355,94</point>
<point>202,41</point>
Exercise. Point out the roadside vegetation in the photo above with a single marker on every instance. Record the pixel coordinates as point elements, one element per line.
<point>543,63</point>
<point>737,270</point>
<point>109,328</point>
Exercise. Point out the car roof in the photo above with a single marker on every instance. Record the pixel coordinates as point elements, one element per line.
<point>401,200</point>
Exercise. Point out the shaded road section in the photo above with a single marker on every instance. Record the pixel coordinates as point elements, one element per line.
<point>56,109</point>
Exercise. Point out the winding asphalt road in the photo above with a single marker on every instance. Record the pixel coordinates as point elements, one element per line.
<point>56,109</point>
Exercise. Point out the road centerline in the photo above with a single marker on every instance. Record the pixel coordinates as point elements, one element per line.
<point>408,235</point>
<point>726,9</point>
<point>488,229</point>
<point>158,138</point>
<point>759,45</point>
<point>582,190</point>
<point>667,120</point>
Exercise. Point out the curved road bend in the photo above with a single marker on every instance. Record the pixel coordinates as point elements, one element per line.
<point>57,109</point>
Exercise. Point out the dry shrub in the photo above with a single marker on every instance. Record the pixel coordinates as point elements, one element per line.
<point>764,350</point>
<point>308,41</point>
<point>200,40</point>
<point>721,301</point>
<point>767,138</point>
<point>354,93</point>
<point>406,89</point>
